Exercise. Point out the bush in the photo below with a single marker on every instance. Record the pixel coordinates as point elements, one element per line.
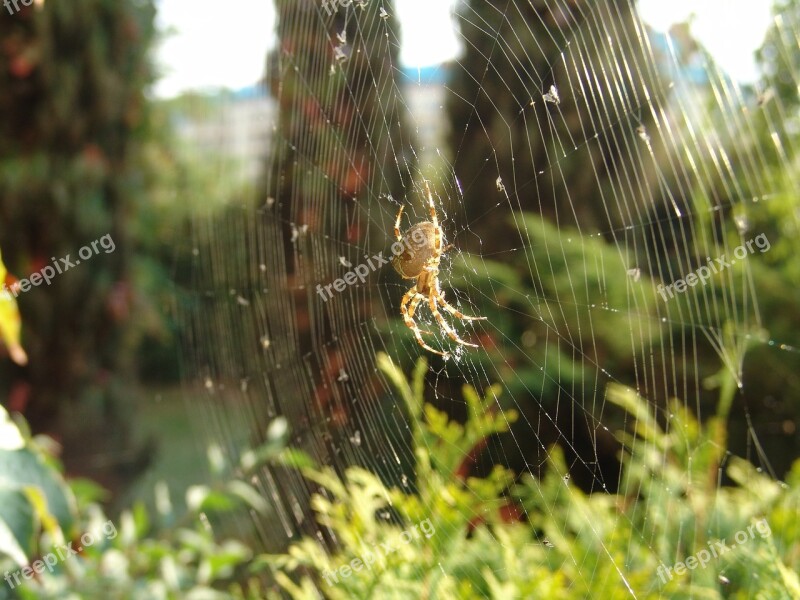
<point>161,556</point>
<point>446,535</point>
<point>569,544</point>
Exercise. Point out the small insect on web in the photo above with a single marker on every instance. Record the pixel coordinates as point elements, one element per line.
<point>420,261</point>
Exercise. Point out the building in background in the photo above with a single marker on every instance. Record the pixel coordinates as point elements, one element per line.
<point>236,127</point>
<point>424,90</point>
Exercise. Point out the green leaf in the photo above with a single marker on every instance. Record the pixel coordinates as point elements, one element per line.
<point>87,491</point>
<point>646,425</point>
<point>164,503</point>
<point>216,460</point>
<point>278,430</point>
<point>248,495</point>
<point>17,525</point>
<point>141,520</point>
<point>23,468</point>
<point>201,498</point>
<point>296,459</point>
<point>226,559</point>
<point>277,434</point>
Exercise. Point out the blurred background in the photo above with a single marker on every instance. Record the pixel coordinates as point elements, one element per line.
<point>239,155</point>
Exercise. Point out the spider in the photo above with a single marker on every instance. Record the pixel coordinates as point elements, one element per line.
<point>419,260</point>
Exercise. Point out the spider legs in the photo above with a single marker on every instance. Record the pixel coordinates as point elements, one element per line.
<point>452,309</point>
<point>427,286</point>
<point>408,317</point>
<point>444,324</point>
<point>437,241</point>
<point>413,306</point>
<point>397,225</point>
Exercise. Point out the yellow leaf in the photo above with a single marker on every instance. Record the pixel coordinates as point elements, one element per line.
<point>10,322</point>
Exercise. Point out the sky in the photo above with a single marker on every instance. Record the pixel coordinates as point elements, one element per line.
<point>731,30</point>
<point>212,47</point>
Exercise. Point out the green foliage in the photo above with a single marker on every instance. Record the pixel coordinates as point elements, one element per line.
<point>572,545</point>
<point>450,538</point>
<point>587,273</point>
<point>33,495</point>
<point>148,556</point>
<point>363,514</point>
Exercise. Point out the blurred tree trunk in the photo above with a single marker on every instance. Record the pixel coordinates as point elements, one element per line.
<point>72,110</point>
<point>337,151</point>
<point>506,121</point>
<point>530,132</point>
<point>341,148</point>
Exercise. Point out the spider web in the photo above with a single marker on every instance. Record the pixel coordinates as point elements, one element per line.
<point>577,160</point>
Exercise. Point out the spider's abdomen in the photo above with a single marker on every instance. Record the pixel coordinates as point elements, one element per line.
<point>419,245</point>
